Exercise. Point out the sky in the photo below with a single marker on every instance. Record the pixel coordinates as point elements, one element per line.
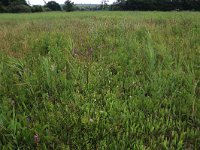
<point>41,2</point>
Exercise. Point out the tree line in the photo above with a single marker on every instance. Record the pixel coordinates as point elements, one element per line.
<point>160,5</point>
<point>17,6</point>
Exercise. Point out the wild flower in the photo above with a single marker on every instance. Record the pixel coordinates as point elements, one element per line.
<point>53,67</point>
<point>36,139</point>
<point>13,103</point>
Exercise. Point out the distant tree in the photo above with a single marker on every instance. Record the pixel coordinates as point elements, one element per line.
<point>16,2</point>
<point>37,8</point>
<point>53,6</point>
<point>69,6</point>
<point>163,5</point>
<point>14,6</point>
<point>104,4</point>
<point>4,2</point>
<point>21,8</point>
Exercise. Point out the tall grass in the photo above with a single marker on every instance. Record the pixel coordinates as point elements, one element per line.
<point>100,80</point>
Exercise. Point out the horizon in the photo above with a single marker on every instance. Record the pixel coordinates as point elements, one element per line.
<point>41,2</point>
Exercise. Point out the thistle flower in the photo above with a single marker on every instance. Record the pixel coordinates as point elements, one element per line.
<point>36,138</point>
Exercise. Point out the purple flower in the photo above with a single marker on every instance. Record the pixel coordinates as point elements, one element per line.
<point>36,138</point>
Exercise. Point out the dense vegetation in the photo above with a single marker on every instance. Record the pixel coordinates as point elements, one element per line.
<point>18,6</point>
<point>68,6</point>
<point>14,6</point>
<point>52,5</point>
<point>164,5</point>
<point>100,80</point>
<point>21,6</point>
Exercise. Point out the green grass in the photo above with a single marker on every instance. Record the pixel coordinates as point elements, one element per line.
<point>100,80</point>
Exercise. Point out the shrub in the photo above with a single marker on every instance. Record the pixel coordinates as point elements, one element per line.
<point>3,9</point>
<point>19,8</point>
<point>46,9</point>
<point>37,8</point>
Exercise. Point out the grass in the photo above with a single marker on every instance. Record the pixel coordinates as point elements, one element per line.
<point>100,80</point>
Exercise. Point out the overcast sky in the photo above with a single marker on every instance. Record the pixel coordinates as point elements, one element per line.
<point>41,2</point>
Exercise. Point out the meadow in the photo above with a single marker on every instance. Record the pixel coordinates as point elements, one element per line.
<point>100,80</point>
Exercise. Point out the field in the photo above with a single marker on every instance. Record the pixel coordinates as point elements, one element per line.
<point>100,80</point>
